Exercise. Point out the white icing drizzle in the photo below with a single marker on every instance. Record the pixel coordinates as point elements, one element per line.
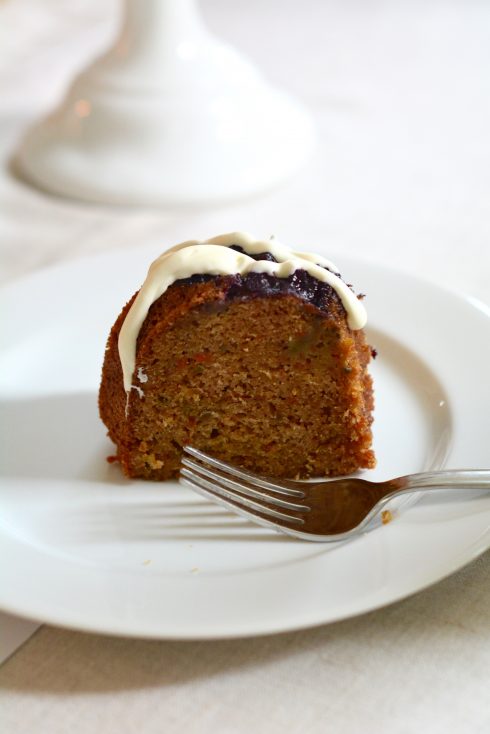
<point>141,375</point>
<point>213,257</point>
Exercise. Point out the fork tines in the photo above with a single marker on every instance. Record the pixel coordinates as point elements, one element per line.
<point>241,491</point>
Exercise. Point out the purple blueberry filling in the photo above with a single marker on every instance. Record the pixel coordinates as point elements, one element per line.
<point>300,284</point>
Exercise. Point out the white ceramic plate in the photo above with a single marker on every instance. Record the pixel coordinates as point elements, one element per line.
<point>82,547</point>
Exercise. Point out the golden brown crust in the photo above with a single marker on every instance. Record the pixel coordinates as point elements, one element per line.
<point>269,383</point>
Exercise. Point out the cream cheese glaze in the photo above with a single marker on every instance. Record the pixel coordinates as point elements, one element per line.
<point>213,257</point>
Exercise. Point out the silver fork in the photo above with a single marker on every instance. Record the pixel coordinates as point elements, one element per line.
<point>321,511</point>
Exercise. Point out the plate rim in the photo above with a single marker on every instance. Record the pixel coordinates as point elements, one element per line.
<point>195,635</point>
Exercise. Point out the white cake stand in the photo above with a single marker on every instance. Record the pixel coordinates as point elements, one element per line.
<point>170,115</point>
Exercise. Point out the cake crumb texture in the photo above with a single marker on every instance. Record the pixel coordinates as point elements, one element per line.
<point>270,383</point>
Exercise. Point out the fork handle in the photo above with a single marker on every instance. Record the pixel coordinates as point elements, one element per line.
<point>456,478</point>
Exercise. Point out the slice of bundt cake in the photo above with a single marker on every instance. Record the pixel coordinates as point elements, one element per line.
<point>246,350</point>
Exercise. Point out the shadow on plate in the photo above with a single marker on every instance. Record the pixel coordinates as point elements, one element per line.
<point>56,437</point>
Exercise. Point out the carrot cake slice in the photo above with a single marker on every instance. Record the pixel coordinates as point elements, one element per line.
<point>247,350</point>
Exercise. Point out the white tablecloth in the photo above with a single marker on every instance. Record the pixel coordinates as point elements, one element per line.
<point>401,96</point>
